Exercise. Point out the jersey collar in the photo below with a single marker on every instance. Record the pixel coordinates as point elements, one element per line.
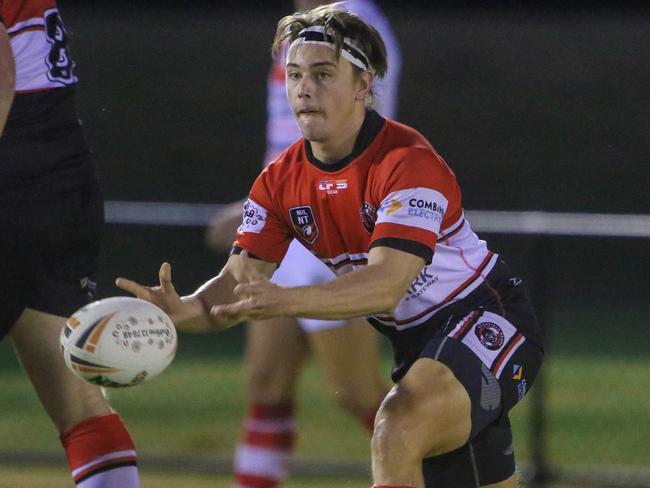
<point>372,125</point>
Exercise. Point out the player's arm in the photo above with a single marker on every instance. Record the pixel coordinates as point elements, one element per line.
<point>376,288</point>
<point>7,76</point>
<point>192,312</point>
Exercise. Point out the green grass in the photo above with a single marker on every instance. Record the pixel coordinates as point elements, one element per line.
<point>598,409</point>
<point>59,478</point>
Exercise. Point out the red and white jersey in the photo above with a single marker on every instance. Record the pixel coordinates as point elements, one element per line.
<point>281,127</point>
<point>39,44</point>
<point>396,192</point>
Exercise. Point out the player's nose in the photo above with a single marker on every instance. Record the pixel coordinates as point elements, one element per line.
<point>305,87</point>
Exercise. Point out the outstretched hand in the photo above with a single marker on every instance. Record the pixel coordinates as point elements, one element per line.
<point>163,295</point>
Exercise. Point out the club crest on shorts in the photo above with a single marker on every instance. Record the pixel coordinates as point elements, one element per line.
<point>304,223</point>
<point>490,335</point>
<point>368,215</point>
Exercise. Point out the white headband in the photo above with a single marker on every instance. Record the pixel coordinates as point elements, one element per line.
<point>317,34</point>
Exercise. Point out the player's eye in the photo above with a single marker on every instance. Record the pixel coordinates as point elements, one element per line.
<point>293,75</point>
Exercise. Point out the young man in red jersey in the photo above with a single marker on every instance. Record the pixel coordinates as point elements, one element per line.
<point>51,218</point>
<point>346,351</point>
<point>391,225</point>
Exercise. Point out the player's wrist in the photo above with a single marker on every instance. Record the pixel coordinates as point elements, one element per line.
<point>195,316</point>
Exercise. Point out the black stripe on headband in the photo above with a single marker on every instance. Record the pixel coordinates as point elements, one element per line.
<point>322,37</point>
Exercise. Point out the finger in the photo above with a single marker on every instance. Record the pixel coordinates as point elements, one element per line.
<point>252,288</point>
<point>221,321</point>
<point>231,311</point>
<point>132,287</point>
<point>242,289</point>
<point>165,277</point>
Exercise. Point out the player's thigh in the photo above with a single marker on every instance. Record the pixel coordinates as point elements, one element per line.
<point>429,407</point>
<point>275,351</point>
<point>350,357</point>
<point>66,398</point>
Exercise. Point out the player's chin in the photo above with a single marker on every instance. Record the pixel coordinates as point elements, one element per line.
<point>313,134</point>
<point>312,130</point>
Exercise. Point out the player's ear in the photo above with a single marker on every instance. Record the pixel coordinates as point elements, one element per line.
<point>363,85</point>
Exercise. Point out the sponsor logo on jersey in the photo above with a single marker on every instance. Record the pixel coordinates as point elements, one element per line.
<point>426,209</point>
<point>253,219</point>
<point>420,284</point>
<point>303,222</point>
<point>416,207</point>
<point>332,187</point>
<point>490,335</point>
<point>393,206</point>
<point>368,215</point>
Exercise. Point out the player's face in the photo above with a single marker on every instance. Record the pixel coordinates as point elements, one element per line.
<point>323,92</point>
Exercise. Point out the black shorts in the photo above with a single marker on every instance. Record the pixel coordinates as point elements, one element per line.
<point>495,382</point>
<point>491,342</point>
<point>49,247</point>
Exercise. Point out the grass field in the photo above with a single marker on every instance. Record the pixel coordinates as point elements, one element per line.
<point>598,411</point>
<point>50,478</point>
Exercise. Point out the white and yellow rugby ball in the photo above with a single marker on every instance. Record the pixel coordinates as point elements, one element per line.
<point>118,341</point>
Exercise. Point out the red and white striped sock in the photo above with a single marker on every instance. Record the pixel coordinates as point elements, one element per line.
<point>266,446</point>
<point>101,453</point>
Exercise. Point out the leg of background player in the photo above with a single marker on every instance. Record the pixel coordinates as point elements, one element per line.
<point>350,358</point>
<point>275,352</point>
<point>99,449</point>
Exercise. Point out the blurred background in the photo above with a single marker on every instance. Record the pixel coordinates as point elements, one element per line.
<point>535,105</point>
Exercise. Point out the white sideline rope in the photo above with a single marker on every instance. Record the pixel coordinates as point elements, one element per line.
<point>560,223</point>
<point>489,221</point>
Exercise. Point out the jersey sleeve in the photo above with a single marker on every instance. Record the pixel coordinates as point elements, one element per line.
<point>418,192</point>
<point>262,233</point>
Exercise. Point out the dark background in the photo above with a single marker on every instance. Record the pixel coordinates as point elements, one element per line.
<point>535,107</point>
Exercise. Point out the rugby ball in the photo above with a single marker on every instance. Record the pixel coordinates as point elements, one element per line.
<point>118,341</point>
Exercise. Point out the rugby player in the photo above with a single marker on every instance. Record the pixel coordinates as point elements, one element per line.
<point>346,350</point>
<point>466,343</point>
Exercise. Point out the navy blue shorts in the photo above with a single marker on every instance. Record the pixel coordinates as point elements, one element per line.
<point>49,247</point>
